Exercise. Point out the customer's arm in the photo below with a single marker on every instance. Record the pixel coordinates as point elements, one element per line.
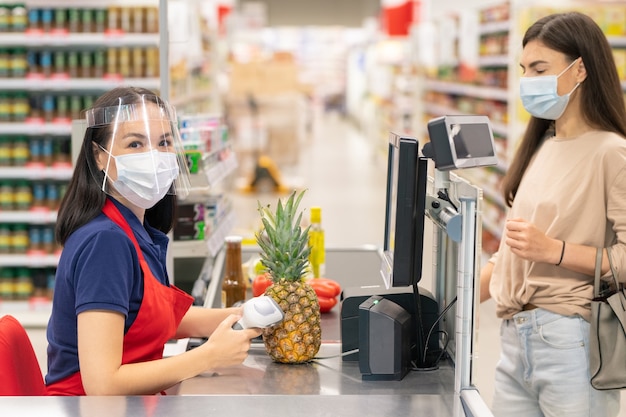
<point>485,279</point>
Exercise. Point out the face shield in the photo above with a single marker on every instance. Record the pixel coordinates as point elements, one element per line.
<point>141,153</point>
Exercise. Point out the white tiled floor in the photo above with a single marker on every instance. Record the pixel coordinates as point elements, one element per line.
<point>343,175</point>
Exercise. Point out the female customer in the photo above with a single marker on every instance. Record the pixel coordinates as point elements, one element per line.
<point>113,307</point>
<point>567,191</point>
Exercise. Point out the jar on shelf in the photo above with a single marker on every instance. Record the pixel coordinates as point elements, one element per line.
<point>21,151</point>
<point>5,62</point>
<point>73,20</point>
<point>23,195</point>
<point>19,238</point>
<point>6,283</point>
<point>5,150</point>
<point>5,18</point>
<point>34,238</point>
<point>5,238</point>
<point>5,108</point>
<point>34,19</point>
<point>72,64</point>
<point>19,18</point>
<point>47,150</point>
<point>22,284</point>
<point>35,147</point>
<point>6,195</point>
<point>45,62</point>
<point>19,63</point>
<point>21,107</point>
<point>100,19</point>
<point>47,16</point>
<point>47,239</point>
<point>39,195</point>
<point>52,196</point>
<point>60,62</point>
<point>60,19</point>
<point>86,63</point>
<point>86,20</point>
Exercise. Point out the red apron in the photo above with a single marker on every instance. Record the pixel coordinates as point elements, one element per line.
<point>161,311</point>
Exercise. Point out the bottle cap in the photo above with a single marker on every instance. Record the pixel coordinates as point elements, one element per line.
<point>316,214</point>
<point>233,239</point>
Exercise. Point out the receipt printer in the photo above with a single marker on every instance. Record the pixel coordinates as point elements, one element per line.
<point>384,340</point>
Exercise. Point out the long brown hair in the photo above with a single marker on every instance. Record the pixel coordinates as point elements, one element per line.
<point>602,102</point>
<point>84,198</point>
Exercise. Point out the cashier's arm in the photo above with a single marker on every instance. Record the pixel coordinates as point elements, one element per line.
<point>202,322</point>
<point>100,345</point>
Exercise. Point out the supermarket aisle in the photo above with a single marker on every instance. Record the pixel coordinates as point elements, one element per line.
<point>342,174</point>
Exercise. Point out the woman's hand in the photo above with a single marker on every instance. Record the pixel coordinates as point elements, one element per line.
<point>530,243</point>
<point>228,347</point>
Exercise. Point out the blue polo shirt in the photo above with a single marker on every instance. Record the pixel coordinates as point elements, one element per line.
<point>99,270</point>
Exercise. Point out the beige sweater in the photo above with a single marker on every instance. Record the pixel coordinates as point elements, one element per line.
<point>574,190</point>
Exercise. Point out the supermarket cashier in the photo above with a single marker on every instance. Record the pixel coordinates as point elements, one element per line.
<point>114,308</point>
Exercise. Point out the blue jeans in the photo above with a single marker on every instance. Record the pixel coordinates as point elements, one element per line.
<point>544,369</point>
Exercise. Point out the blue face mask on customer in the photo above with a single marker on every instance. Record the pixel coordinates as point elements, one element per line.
<point>540,98</point>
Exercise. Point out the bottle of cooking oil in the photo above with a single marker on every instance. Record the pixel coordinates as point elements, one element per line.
<point>317,257</point>
<point>233,284</point>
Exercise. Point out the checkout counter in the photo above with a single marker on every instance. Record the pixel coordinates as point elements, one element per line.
<point>329,385</point>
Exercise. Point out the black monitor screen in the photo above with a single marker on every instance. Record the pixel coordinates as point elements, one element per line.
<point>472,140</point>
<point>404,220</point>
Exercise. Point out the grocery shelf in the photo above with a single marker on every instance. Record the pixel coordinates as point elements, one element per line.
<point>494,61</point>
<point>30,313</point>
<point>31,261</point>
<point>207,247</point>
<point>29,216</point>
<point>494,27</point>
<point>37,172</point>
<point>36,129</point>
<point>477,91</point>
<point>100,40</point>
<point>221,170</point>
<point>75,85</point>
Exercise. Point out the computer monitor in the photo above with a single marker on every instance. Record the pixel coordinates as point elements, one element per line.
<point>404,214</point>
<point>463,141</point>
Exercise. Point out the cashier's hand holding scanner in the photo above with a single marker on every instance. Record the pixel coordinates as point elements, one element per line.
<point>113,307</point>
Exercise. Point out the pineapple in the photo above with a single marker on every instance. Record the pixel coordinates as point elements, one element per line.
<point>284,253</point>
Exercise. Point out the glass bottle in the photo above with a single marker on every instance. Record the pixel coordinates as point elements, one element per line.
<point>233,283</point>
<point>317,257</point>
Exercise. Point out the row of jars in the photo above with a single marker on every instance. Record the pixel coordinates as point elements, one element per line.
<point>18,18</point>
<point>22,195</point>
<point>22,283</point>
<point>21,107</point>
<point>21,150</point>
<point>21,238</point>
<point>135,62</point>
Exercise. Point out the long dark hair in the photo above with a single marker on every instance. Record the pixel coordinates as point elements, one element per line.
<point>602,102</point>
<point>84,198</point>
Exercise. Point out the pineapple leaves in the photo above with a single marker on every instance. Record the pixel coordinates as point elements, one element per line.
<point>283,243</point>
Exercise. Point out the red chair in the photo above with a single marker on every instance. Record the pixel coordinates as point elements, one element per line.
<point>20,373</point>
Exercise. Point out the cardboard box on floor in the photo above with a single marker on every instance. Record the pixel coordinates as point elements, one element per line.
<point>277,128</point>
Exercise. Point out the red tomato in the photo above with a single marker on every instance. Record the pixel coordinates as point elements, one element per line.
<point>322,289</point>
<point>260,283</point>
<point>334,285</point>
<point>326,303</point>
